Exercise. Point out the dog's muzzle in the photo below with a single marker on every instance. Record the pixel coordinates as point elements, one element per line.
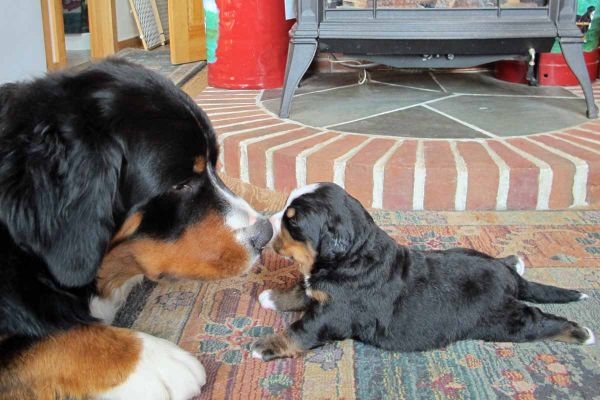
<point>260,233</point>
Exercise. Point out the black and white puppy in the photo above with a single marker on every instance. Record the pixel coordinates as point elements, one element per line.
<point>360,284</point>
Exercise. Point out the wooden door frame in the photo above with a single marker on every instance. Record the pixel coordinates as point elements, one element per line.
<point>187,36</point>
<point>54,34</point>
<point>102,20</point>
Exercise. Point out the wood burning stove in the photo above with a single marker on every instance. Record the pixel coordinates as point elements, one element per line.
<point>433,34</point>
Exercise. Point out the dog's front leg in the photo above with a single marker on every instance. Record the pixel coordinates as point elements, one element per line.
<point>97,361</point>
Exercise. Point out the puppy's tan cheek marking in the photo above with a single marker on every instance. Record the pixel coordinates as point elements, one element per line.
<point>199,164</point>
<point>206,250</point>
<point>277,245</point>
<point>306,258</point>
<point>301,252</point>
<point>318,295</point>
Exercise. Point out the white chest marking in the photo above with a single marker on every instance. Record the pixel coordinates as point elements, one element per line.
<point>307,285</point>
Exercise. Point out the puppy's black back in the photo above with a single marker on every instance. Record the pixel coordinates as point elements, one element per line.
<point>403,299</point>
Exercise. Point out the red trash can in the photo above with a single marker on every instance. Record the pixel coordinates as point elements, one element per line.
<point>552,70</point>
<point>247,43</point>
<point>514,71</point>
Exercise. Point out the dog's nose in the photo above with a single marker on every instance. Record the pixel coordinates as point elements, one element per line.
<point>262,233</point>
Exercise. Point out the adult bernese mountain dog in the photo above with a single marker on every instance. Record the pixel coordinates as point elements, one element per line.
<point>360,284</point>
<point>106,176</point>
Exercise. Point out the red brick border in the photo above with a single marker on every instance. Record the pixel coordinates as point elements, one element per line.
<point>546,170</point>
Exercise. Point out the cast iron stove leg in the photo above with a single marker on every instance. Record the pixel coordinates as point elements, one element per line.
<point>300,55</point>
<point>573,52</point>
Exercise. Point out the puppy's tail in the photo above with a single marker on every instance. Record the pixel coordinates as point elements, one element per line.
<point>540,293</point>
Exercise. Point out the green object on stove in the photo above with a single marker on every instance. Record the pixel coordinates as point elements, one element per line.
<point>211,22</point>
<point>591,36</point>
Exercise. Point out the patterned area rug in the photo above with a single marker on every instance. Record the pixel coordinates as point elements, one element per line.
<point>159,61</point>
<point>218,321</point>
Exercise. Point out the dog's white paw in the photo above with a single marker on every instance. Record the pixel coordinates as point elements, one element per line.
<point>164,371</point>
<point>591,337</point>
<point>583,296</point>
<point>266,300</point>
<point>520,267</point>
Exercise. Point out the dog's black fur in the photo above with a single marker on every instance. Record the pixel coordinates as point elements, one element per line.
<point>80,152</point>
<point>399,298</point>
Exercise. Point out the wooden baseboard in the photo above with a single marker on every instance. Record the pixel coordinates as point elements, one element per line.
<point>196,84</point>
<point>131,42</point>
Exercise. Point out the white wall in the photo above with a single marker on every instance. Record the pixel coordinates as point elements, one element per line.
<point>126,28</point>
<point>22,43</point>
<point>77,41</point>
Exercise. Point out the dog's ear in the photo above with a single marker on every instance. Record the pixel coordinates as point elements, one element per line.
<point>86,228</point>
<point>6,92</point>
<point>335,240</point>
<point>57,196</point>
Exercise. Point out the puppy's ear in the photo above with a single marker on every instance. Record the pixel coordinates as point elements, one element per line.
<point>335,241</point>
<point>57,196</point>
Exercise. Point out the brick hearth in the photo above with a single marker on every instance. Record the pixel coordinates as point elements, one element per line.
<point>557,169</point>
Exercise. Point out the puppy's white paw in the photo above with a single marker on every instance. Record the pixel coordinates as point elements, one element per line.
<point>583,296</point>
<point>266,300</point>
<point>164,372</point>
<point>591,337</point>
<point>520,267</point>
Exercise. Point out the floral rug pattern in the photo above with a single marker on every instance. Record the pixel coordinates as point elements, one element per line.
<point>218,322</point>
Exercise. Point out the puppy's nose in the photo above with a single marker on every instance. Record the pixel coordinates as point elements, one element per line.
<point>262,233</point>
